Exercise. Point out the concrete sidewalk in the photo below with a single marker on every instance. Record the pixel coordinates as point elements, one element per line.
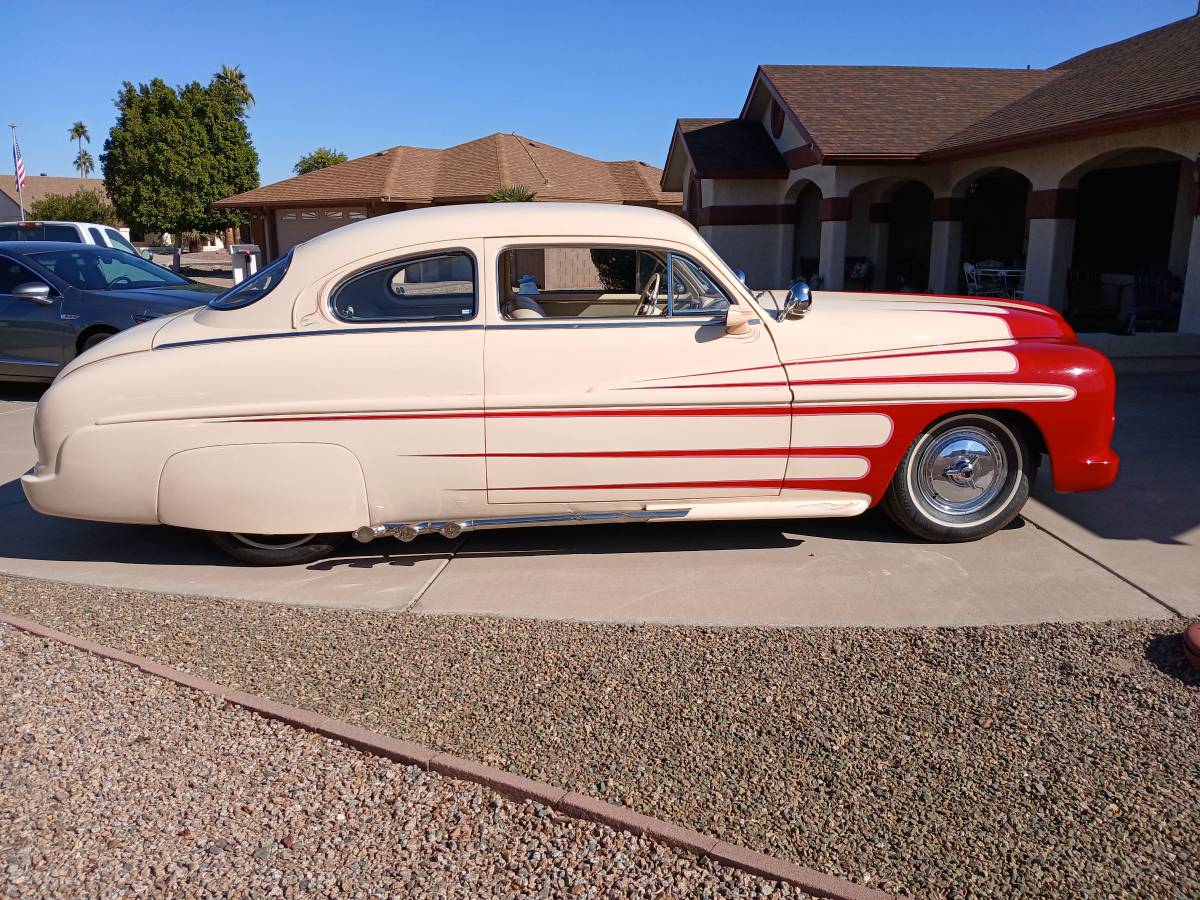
<point>1130,552</point>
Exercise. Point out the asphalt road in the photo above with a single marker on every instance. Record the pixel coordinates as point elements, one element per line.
<point>1130,552</point>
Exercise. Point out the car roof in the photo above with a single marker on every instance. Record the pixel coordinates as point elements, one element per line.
<point>504,220</point>
<point>33,246</point>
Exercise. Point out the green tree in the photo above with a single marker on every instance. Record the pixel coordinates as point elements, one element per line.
<point>79,133</point>
<point>512,193</point>
<point>175,151</point>
<point>234,78</point>
<point>84,163</point>
<point>85,205</point>
<point>321,158</point>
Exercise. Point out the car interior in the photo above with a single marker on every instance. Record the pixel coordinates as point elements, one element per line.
<point>603,282</point>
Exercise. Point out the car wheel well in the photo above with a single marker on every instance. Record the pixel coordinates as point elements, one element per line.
<point>1012,418</point>
<point>89,332</point>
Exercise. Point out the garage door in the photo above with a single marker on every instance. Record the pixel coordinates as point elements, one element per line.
<point>297,225</point>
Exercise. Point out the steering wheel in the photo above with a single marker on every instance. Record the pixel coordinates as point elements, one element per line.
<point>116,282</point>
<point>648,304</point>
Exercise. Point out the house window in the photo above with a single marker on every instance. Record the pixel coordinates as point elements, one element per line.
<point>357,215</point>
<point>308,216</point>
<point>333,214</point>
<point>776,119</point>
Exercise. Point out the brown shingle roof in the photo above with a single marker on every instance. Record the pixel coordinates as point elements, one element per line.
<point>894,111</point>
<point>39,186</point>
<point>1157,70</point>
<point>731,148</point>
<point>467,171</point>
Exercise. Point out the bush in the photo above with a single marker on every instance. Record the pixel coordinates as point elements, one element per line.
<point>85,205</point>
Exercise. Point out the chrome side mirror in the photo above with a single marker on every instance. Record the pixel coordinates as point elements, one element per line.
<point>798,302</point>
<point>33,291</point>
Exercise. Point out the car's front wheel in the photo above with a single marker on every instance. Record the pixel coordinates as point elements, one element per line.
<point>277,549</point>
<point>964,477</point>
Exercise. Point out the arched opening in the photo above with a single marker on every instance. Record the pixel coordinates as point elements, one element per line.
<point>806,234</point>
<point>995,229</point>
<point>910,233</point>
<point>1132,231</point>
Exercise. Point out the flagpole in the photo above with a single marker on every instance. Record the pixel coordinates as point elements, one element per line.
<point>20,186</point>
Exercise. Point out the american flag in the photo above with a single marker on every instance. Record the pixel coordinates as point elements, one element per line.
<point>20,165</point>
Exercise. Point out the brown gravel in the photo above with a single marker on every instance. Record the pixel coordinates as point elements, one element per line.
<point>114,782</point>
<point>1013,761</point>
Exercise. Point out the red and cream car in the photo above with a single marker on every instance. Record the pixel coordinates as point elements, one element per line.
<point>521,364</point>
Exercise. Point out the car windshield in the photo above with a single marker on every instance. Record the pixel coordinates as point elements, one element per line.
<point>101,269</point>
<point>253,288</point>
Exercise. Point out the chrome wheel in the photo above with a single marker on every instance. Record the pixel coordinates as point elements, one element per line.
<point>960,472</point>
<point>273,541</point>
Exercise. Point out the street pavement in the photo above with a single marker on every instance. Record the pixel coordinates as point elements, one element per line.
<point>1130,552</point>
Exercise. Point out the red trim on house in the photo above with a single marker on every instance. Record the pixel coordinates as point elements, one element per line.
<point>835,209</point>
<point>1057,203</point>
<point>802,157</point>
<point>947,209</point>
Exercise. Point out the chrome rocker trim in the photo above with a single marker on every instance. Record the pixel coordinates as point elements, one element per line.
<point>408,531</point>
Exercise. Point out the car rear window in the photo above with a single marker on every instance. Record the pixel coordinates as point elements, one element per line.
<point>38,232</point>
<point>253,288</point>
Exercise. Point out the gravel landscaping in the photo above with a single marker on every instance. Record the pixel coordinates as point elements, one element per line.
<point>113,782</point>
<point>1010,761</point>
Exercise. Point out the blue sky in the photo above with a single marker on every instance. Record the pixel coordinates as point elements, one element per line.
<point>606,79</point>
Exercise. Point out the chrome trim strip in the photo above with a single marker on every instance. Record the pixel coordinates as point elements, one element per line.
<point>237,338</point>
<point>407,531</point>
<point>27,362</point>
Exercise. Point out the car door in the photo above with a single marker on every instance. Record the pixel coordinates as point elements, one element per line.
<point>32,335</point>
<point>587,407</point>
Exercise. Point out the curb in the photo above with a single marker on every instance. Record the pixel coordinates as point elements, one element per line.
<point>1191,645</point>
<point>516,787</point>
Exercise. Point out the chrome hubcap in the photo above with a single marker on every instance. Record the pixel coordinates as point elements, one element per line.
<point>961,471</point>
<point>273,541</point>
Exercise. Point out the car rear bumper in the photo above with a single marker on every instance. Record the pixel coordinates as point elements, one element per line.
<point>1090,473</point>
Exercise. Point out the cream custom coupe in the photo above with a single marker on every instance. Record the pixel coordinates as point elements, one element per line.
<point>469,367</point>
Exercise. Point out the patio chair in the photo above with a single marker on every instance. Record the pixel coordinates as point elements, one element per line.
<point>1154,301</point>
<point>1088,309</point>
<point>976,287</point>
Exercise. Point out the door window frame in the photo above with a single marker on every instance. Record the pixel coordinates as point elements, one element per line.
<point>608,321</point>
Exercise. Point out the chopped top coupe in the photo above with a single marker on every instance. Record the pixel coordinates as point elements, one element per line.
<point>469,367</point>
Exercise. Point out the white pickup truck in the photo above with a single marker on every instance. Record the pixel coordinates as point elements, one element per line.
<point>72,232</point>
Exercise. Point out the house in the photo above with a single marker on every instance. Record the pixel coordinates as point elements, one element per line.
<point>288,212</point>
<point>39,186</point>
<point>1083,175</point>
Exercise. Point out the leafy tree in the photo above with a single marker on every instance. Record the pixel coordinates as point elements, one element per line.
<point>512,193</point>
<point>84,163</point>
<point>321,158</point>
<point>85,205</point>
<point>174,151</point>
<point>79,133</point>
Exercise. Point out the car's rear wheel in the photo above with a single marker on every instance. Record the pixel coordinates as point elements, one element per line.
<point>277,549</point>
<point>963,478</point>
<point>95,338</point>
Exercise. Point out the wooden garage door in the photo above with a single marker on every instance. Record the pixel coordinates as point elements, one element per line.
<point>297,225</point>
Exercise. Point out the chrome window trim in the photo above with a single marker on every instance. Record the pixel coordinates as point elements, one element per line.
<point>332,312</point>
<point>610,321</point>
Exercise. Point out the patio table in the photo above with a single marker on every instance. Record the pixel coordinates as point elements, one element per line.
<point>1010,279</point>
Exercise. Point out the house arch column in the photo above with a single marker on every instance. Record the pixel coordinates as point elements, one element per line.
<point>1051,217</point>
<point>834,215</point>
<point>945,247</point>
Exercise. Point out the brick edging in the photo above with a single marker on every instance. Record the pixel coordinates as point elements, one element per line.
<point>569,803</point>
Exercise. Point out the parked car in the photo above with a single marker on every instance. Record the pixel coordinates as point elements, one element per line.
<point>58,300</point>
<point>69,232</point>
<point>470,367</point>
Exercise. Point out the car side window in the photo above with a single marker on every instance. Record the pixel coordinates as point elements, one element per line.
<point>117,241</point>
<point>436,288</point>
<point>97,237</point>
<point>13,273</point>
<point>552,282</point>
<point>62,233</point>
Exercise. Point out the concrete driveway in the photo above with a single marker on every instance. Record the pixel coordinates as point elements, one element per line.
<point>1130,552</point>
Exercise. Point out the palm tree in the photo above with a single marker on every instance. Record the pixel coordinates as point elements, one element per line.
<point>84,163</point>
<point>79,133</point>
<point>512,193</point>
<point>235,78</point>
